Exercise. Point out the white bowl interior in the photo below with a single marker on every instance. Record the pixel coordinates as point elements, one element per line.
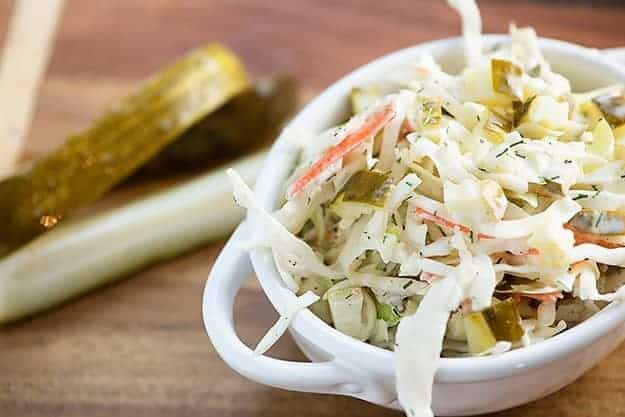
<point>586,69</point>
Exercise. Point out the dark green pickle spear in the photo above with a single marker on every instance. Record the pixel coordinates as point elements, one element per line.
<point>249,121</point>
<point>116,145</point>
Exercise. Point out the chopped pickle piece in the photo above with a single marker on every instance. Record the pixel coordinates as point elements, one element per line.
<point>505,77</point>
<point>619,142</point>
<point>349,212</point>
<point>520,109</point>
<point>611,281</point>
<point>523,200</point>
<point>455,328</point>
<point>535,71</point>
<point>367,187</point>
<point>249,121</point>
<point>505,321</point>
<point>388,313</point>
<point>363,97</point>
<point>480,337</point>
<point>364,192</point>
<point>602,222</point>
<point>494,132</point>
<point>591,112</point>
<point>612,105</point>
<point>573,310</point>
<point>318,286</point>
<point>602,140</point>
<point>619,133</point>
<point>431,113</point>
<point>500,322</point>
<point>547,189</point>
<point>116,145</point>
<point>496,128</point>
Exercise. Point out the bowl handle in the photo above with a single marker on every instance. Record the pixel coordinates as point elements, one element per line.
<point>228,274</point>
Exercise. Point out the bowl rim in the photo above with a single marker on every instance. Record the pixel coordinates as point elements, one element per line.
<point>344,348</point>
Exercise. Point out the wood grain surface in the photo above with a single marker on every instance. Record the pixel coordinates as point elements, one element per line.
<point>138,348</point>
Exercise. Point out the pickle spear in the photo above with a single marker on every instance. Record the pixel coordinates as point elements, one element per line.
<point>117,144</point>
<point>83,254</point>
<point>250,120</point>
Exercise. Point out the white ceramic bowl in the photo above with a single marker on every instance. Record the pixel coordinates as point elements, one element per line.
<point>342,365</point>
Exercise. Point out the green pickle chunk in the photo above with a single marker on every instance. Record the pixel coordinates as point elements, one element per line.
<point>496,129</point>
<point>431,113</point>
<point>364,192</point>
<point>388,313</point>
<point>500,322</point>
<point>367,187</point>
<point>505,322</point>
<point>612,105</point>
<point>520,109</point>
<point>480,337</point>
<point>548,188</point>
<point>602,222</point>
<point>116,145</point>
<point>504,77</point>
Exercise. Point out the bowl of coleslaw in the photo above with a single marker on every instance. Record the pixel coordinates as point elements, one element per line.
<point>422,236</point>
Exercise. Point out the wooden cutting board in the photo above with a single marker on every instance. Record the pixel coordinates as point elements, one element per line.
<point>138,347</point>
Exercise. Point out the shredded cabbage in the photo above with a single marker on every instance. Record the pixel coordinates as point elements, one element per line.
<point>471,29</point>
<point>487,192</point>
<point>416,363</point>
<point>286,316</point>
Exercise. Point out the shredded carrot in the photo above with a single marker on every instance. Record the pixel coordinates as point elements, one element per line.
<point>549,296</point>
<point>450,224</point>
<point>427,277</point>
<point>406,128</point>
<point>423,72</point>
<point>368,130</point>
<point>581,237</point>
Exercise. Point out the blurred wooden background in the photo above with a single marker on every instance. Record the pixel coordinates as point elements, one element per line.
<point>138,348</point>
